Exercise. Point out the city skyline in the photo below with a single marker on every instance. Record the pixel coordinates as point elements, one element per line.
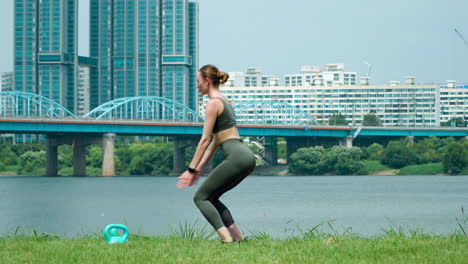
<point>398,38</point>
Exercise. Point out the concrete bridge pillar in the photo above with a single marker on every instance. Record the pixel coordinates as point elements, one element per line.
<point>108,157</point>
<point>349,141</point>
<point>51,156</point>
<point>180,143</point>
<point>410,140</point>
<point>79,156</point>
<point>271,150</point>
<point>79,143</point>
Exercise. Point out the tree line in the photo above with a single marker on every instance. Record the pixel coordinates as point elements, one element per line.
<point>155,157</point>
<point>397,154</point>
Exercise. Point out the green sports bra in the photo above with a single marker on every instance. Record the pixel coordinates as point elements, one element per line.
<point>226,119</point>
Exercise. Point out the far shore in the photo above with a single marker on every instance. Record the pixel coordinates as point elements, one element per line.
<point>279,170</point>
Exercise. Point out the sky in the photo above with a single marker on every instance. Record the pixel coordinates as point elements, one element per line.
<point>398,38</point>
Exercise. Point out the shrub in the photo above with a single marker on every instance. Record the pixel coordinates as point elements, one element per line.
<point>397,155</point>
<point>31,161</point>
<point>426,150</point>
<point>7,156</point>
<point>315,161</point>
<point>343,160</point>
<point>455,159</point>
<point>307,161</point>
<point>374,151</point>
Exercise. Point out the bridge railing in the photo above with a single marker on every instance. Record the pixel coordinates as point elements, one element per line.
<point>29,105</point>
<point>144,108</point>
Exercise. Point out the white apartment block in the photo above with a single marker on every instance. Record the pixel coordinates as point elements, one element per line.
<point>397,105</point>
<point>6,81</point>
<point>453,101</point>
<point>6,85</point>
<point>83,103</point>
<point>330,75</point>
<point>252,78</point>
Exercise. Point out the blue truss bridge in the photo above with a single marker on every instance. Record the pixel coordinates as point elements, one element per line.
<point>27,113</point>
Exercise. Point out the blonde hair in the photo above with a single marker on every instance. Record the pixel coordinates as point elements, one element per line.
<point>210,71</point>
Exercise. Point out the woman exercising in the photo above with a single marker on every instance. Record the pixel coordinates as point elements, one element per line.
<point>239,160</point>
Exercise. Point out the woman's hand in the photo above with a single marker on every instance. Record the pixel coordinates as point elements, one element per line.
<point>186,179</point>
<point>196,177</point>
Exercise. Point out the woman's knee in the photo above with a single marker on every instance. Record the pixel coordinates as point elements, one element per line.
<point>199,197</point>
<point>202,197</point>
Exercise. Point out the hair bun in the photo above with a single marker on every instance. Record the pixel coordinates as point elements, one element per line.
<point>223,77</point>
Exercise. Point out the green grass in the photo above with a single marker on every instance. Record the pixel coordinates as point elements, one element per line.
<point>9,169</point>
<point>423,169</point>
<point>374,166</point>
<point>464,171</point>
<point>193,243</point>
<point>143,249</point>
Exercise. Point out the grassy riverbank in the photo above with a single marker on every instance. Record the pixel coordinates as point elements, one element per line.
<point>373,167</point>
<point>389,248</point>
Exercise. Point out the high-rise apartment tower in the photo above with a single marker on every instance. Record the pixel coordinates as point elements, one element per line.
<point>46,49</point>
<point>144,48</point>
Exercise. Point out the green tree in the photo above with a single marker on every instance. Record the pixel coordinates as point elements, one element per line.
<point>7,156</point>
<point>145,158</point>
<point>20,149</point>
<point>342,160</point>
<point>456,158</point>
<point>282,150</point>
<point>398,154</point>
<point>307,161</point>
<point>137,166</point>
<point>371,120</point>
<point>32,162</point>
<point>160,158</point>
<point>426,150</point>
<point>65,156</point>
<point>2,166</point>
<point>338,119</point>
<point>374,151</point>
<point>94,156</point>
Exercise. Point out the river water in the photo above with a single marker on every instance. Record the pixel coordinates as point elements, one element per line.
<point>72,206</point>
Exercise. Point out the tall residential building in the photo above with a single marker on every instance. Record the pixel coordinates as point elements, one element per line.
<point>144,48</point>
<point>46,49</point>
<point>6,82</point>
<point>331,74</point>
<point>82,99</point>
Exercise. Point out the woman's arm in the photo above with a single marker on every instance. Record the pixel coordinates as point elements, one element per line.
<point>205,141</point>
<point>187,178</point>
<point>208,154</point>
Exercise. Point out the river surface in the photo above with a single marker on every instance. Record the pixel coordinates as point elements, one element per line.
<point>74,207</point>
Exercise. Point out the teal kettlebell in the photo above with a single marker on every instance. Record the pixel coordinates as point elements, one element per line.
<point>112,236</point>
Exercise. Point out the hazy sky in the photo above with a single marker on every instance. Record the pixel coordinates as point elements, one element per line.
<point>398,37</point>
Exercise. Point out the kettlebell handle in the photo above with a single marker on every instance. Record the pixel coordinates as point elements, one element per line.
<point>111,235</point>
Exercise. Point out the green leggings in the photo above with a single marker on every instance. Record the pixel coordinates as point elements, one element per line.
<point>239,161</point>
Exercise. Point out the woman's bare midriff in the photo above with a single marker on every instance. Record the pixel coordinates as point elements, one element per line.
<point>224,135</point>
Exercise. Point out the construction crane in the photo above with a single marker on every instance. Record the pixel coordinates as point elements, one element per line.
<point>461,37</point>
<point>369,67</point>
<point>321,70</point>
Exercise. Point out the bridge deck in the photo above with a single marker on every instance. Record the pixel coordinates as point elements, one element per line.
<point>145,127</point>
